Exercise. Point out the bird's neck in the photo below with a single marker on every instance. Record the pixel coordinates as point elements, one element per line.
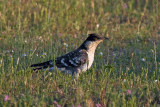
<point>89,46</point>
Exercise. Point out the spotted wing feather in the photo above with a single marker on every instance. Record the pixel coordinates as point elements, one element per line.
<point>72,59</point>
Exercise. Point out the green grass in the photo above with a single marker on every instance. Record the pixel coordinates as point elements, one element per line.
<point>127,74</point>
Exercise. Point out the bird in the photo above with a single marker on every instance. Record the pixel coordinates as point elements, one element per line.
<point>76,61</point>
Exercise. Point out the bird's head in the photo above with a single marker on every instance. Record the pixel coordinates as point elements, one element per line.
<point>93,37</point>
<point>92,41</point>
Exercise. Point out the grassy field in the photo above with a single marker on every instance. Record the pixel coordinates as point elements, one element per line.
<point>126,69</point>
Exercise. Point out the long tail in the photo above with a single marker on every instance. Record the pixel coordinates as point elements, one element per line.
<point>42,65</point>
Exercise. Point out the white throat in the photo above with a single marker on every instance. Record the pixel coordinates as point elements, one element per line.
<point>91,47</point>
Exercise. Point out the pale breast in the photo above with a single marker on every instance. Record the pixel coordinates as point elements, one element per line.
<point>91,50</point>
<point>90,59</point>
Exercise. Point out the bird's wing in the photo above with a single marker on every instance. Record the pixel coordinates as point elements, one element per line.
<point>72,59</point>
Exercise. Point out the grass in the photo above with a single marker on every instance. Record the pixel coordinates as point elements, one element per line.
<point>126,68</point>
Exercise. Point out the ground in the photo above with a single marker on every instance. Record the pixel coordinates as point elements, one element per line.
<point>125,71</point>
